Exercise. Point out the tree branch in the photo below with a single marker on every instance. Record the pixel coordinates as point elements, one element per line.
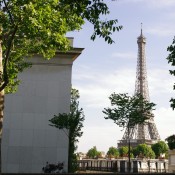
<point>8,11</point>
<point>6,59</point>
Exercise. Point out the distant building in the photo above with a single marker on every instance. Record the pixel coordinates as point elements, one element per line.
<point>103,154</point>
<point>81,155</point>
<point>28,142</point>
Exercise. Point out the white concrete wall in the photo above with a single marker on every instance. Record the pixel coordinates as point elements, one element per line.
<point>28,141</point>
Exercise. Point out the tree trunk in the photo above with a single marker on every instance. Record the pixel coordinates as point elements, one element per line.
<point>1,121</point>
<point>0,158</point>
<point>1,105</point>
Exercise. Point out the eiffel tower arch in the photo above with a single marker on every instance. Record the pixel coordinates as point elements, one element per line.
<point>148,132</point>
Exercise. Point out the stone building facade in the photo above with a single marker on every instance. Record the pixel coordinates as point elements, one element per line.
<point>28,141</point>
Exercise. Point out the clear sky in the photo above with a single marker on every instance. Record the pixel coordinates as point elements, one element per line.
<point>103,69</point>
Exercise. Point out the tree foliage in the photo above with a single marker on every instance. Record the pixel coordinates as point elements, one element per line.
<point>171,61</point>
<point>40,27</point>
<point>159,148</point>
<point>73,123</point>
<point>123,151</point>
<point>143,150</point>
<point>93,153</point>
<point>128,110</point>
<point>113,152</point>
<point>171,141</point>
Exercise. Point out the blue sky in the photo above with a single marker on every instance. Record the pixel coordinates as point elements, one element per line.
<point>103,69</point>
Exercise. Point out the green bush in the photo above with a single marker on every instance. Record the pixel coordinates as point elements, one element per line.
<point>171,142</point>
<point>144,150</point>
<point>159,148</point>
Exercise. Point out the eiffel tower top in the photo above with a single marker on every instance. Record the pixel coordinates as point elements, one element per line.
<point>141,38</point>
<point>141,85</point>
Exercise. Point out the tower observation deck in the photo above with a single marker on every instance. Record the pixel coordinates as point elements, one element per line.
<point>142,133</point>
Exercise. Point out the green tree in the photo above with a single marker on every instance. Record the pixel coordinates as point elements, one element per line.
<point>144,150</point>
<point>113,152</point>
<point>128,111</point>
<point>123,151</point>
<point>71,124</point>
<point>93,153</point>
<point>171,141</point>
<point>40,27</point>
<point>159,148</point>
<point>171,61</point>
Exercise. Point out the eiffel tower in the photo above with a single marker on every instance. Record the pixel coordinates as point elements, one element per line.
<point>148,132</point>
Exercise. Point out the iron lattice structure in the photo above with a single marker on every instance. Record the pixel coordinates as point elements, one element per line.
<point>148,132</point>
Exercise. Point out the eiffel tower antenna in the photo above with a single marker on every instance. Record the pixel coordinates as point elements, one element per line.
<point>146,133</point>
<point>141,28</point>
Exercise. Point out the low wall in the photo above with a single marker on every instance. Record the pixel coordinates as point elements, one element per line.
<point>122,166</point>
<point>88,174</point>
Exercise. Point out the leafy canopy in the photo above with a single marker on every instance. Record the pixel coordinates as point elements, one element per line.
<point>159,148</point>
<point>93,153</point>
<point>123,151</point>
<point>171,61</point>
<point>113,152</point>
<point>126,109</point>
<point>144,150</point>
<point>73,123</point>
<point>171,141</point>
<point>30,27</point>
